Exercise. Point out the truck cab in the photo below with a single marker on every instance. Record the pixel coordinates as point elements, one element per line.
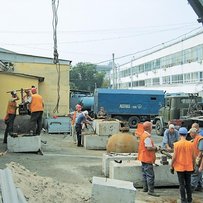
<point>177,110</point>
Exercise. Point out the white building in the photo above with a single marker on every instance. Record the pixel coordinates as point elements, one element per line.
<point>175,67</point>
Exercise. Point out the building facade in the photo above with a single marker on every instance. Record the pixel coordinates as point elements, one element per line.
<point>176,67</point>
<point>22,71</point>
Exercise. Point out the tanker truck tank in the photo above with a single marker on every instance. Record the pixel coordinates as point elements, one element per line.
<point>87,103</point>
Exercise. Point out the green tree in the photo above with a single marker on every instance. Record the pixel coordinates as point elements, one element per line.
<point>84,76</point>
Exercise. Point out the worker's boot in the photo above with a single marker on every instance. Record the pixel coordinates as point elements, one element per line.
<point>151,191</point>
<point>145,187</point>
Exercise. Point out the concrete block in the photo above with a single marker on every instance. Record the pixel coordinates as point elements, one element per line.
<point>106,158</point>
<point>95,142</point>
<point>106,128</point>
<point>131,171</point>
<point>24,144</point>
<point>111,191</point>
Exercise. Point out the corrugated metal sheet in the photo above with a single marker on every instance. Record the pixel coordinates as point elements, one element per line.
<point>9,192</point>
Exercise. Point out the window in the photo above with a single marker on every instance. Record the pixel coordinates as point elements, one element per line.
<point>166,80</point>
<point>177,79</point>
<point>155,81</point>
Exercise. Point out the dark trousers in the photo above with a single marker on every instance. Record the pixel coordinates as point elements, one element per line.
<point>78,128</point>
<point>9,126</point>
<point>184,179</point>
<point>148,176</point>
<point>36,122</point>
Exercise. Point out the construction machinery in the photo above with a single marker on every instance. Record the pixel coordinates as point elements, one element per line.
<point>179,109</point>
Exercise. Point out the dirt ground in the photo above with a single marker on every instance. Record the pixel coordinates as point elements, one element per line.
<point>64,173</point>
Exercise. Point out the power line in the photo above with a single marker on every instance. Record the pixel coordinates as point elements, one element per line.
<point>141,33</point>
<point>148,49</point>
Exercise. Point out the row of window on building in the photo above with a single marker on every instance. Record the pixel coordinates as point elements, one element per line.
<point>187,78</point>
<point>179,58</point>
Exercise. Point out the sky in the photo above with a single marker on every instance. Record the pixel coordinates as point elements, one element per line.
<point>92,30</point>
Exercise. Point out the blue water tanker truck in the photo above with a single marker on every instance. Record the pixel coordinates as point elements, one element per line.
<point>133,106</point>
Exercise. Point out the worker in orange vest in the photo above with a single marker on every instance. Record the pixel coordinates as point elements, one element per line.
<point>36,108</point>
<point>74,115</point>
<point>196,177</point>
<point>139,131</point>
<point>146,154</point>
<point>183,161</point>
<point>10,115</point>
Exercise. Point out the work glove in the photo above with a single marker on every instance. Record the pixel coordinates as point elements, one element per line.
<point>197,161</point>
<point>156,148</point>
<point>172,170</point>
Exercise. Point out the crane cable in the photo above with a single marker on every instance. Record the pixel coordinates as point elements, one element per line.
<point>55,4</point>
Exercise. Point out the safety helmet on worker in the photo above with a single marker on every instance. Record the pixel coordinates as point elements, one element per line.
<point>183,131</point>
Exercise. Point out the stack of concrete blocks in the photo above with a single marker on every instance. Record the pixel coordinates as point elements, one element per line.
<point>108,157</point>
<point>103,129</point>
<point>24,144</point>
<point>130,170</point>
<point>111,191</point>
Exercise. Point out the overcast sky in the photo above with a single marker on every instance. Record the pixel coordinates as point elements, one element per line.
<point>91,30</point>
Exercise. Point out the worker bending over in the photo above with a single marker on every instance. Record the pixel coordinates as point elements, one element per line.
<point>170,137</point>
<point>82,118</point>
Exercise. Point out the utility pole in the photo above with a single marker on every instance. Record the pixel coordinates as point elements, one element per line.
<point>113,69</point>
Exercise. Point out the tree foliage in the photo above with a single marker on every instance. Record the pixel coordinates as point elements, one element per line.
<point>84,76</point>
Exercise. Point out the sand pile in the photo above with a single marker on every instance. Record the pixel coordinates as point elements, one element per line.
<point>46,190</point>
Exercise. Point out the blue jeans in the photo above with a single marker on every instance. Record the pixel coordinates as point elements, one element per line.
<point>196,178</point>
<point>148,176</point>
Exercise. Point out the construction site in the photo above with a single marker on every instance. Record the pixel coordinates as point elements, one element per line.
<point>65,173</point>
<point>64,145</point>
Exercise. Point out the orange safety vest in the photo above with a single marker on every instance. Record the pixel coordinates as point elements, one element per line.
<point>184,156</point>
<point>74,117</point>
<point>195,144</point>
<point>145,155</point>
<point>140,130</point>
<point>36,103</point>
<point>12,106</point>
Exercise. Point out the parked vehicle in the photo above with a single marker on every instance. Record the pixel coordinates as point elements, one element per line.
<point>133,106</point>
<point>181,110</point>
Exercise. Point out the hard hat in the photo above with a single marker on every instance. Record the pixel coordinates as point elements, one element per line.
<point>183,131</point>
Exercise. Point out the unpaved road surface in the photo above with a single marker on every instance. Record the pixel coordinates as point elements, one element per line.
<point>65,171</point>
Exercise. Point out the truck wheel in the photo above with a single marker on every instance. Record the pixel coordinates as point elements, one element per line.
<point>159,128</point>
<point>133,121</point>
